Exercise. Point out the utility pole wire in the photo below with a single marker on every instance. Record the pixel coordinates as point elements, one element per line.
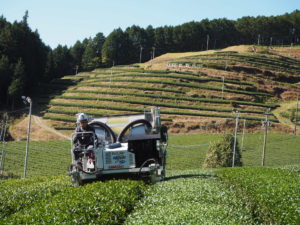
<point>76,69</point>
<point>111,73</point>
<point>153,48</point>
<point>296,114</point>
<point>207,41</point>
<point>3,144</point>
<point>266,124</point>
<point>28,135</point>
<point>223,87</point>
<point>141,50</point>
<point>237,114</point>
<point>244,126</point>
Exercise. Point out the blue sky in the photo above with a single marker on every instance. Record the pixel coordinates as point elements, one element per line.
<point>66,21</point>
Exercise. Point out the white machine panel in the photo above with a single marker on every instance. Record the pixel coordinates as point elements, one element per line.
<point>118,158</point>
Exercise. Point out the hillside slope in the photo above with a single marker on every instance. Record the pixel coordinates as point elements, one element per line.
<point>196,91</point>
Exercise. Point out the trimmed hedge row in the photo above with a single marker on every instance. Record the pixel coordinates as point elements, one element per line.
<point>91,114</point>
<point>132,87</point>
<point>189,78</point>
<point>17,195</point>
<point>267,65</point>
<point>190,197</point>
<point>283,61</point>
<point>97,203</point>
<point>254,60</point>
<point>177,106</point>
<point>63,128</point>
<point>180,85</point>
<point>193,99</point>
<point>273,194</point>
<point>162,111</point>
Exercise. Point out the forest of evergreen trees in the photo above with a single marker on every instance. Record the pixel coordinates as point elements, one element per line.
<point>26,62</point>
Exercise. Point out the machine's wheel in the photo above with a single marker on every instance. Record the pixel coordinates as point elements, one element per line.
<point>140,121</point>
<point>163,172</point>
<point>75,175</point>
<point>76,181</point>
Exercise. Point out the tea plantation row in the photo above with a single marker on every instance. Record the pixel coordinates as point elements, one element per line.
<point>200,196</point>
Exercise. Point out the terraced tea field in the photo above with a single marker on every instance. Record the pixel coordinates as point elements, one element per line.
<point>188,89</point>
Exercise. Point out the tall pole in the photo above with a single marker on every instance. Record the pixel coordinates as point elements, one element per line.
<point>28,135</point>
<point>258,39</point>
<point>111,73</point>
<point>223,87</point>
<point>207,41</point>
<point>244,126</point>
<point>237,114</point>
<point>226,62</point>
<point>3,143</point>
<point>266,125</point>
<point>296,114</point>
<point>141,50</point>
<point>153,48</point>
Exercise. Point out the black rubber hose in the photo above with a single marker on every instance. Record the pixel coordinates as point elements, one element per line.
<point>144,163</point>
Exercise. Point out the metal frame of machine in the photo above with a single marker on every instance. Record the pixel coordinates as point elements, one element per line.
<point>138,151</point>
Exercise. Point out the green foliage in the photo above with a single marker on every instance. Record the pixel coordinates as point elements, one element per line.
<point>190,197</point>
<point>291,115</point>
<point>23,59</point>
<point>220,153</point>
<point>117,48</point>
<point>273,194</point>
<point>98,203</point>
<point>62,61</point>
<point>5,76</point>
<point>17,195</point>
<point>91,57</point>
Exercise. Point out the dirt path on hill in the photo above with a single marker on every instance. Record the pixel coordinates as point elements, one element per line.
<point>39,121</point>
<point>283,108</point>
<point>40,130</point>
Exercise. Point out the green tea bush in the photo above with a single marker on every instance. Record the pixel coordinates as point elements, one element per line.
<point>273,194</point>
<point>220,153</point>
<point>18,195</point>
<point>96,203</point>
<point>190,197</point>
